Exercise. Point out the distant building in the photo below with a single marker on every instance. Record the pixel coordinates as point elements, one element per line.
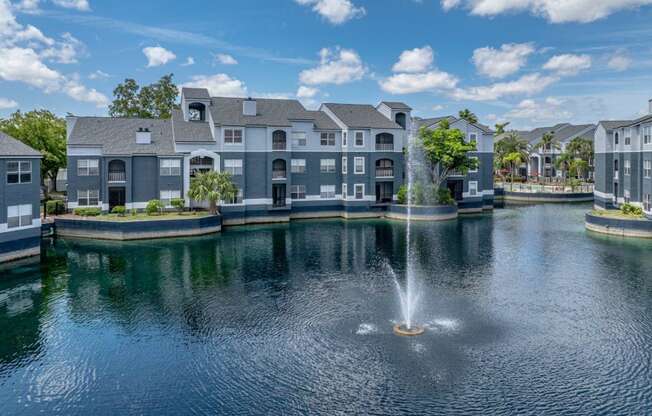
<point>20,219</point>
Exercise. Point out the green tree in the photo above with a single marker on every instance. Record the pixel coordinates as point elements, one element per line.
<point>581,149</point>
<point>43,131</point>
<point>500,128</point>
<point>514,159</point>
<point>156,100</point>
<point>469,116</point>
<point>511,143</point>
<point>212,187</point>
<point>564,163</point>
<point>548,142</point>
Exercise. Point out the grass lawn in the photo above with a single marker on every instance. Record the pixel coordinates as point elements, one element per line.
<point>617,214</point>
<point>141,216</point>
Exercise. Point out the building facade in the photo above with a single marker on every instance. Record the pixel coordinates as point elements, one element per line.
<point>20,219</point>
<point>623,164</point>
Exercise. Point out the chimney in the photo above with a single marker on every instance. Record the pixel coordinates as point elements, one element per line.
<point>650,106</point>
<point>249,107</point>
<point>143,136</point>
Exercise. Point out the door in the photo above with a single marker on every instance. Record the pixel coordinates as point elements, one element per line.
<point>615,194</point>
<point>117,197</point>
<point>278,195</point>
<point>384,192</point>
<point>456,186</point>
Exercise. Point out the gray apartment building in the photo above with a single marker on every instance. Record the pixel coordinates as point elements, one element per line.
<point>20,219</point>
<point>623,163</point>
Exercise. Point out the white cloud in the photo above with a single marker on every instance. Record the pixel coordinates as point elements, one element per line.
<point>619,62</point>
<point>81,5</point>
<point>550,109</point>
<point>498,63</point>
<point>568,64</point>
<point>98,75</point>
<point>189,61</point>
<point>65,51</point>
<point>79,92</point>
<point>225,59</point>
<point>555,11</point>
<point>414,60</point>
<point>337,66</point>
<point>24,65</point>
<point>335,11</point>
<point>434,80</point>
<point>526,85</point>
<point>306,92</point>
<point>6,103</point>
<point>437,107</point>
<point>157,55</point>
<point>219,85</point>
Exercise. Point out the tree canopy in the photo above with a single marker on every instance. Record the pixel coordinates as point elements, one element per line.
<point>155,100</point>
<point>212,187</point>
<point>500,127</point>
<point>469,116</point>
<point>43,131</point>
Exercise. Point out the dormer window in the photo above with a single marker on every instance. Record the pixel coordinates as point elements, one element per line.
<point>196,112</point>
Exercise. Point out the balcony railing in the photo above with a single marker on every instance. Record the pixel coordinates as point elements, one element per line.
<point>385,146</point>
<point>279,174</point>
<point>384,172</point>
<point>117,176</point>
<point>278,146</point>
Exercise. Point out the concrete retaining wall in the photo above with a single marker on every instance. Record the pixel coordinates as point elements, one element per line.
<point>620,227</point>
<point>423,213</point>
<point>535,197</point>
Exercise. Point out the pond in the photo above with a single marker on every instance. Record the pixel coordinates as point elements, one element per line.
<point>526,313</point>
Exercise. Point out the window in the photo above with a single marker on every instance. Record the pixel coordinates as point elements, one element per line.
<point>170,167</point>
<point>298,166</point>
<point>344,137</point>
<point>358,167</point>
<point>88,167</point>
<point>359,191</point>
<point>473,188</point>
<point>327,165</point>
<point>627,167</point>
<point>168,196</point>
<point>196,112</point>
<point>647,168</point>
<point>298,191</point>
<point>233,136</point>
<point>626,196</point>
<point>237,199</point>
<point>327,139</point>
<point>477,165</point>
<point>233,166</point>
<point>344,191</point>
<point>647,135</point>
<point>647,202</point>
<point>19,216</point>
<point>628,136</point>
<point>298,138</point>
<point>473,137</point>
<point>359,139</point>
<point>19,172</point>
<point>616,138</point>
<point>278,140</point>
<point>327,191</point>
<point>88,198</point>
<point>345,162</point>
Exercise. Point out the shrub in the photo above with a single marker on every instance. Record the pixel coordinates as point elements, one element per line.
<point>87,212</point>
<point>119,209</point>
<point>444,196</point>
<point>178,203</point>
<point>629,209</point>
<point>401,196</point>
<point>154,207</point>
<point>55,207</point>
<point>134,211</point>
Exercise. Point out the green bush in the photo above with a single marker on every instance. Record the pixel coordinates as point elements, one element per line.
<point>444,196</point>
<point>119,209</point>
<point>87,212</point>
<point>178,203</point>
<point>55,207</point>
<point>154,207</point>
<point>134,211</point>
<point>629,209</point>
<point>401,196</point>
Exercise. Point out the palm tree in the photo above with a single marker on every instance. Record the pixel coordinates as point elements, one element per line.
<point>581,149</point>
<point>212,187</point>
<point>515,159</point>
<point>500,128</point>
<point>467,115</point>
<point>511,143</point>
<point>563,163</point>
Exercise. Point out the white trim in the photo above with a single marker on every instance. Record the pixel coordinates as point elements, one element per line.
<point>355,133</point>
<point>603,194</point>
<point>355,191</point>
<point>36,222</point>
<point>363,165</point>
<point>84,151</point>
<point>345,165</point>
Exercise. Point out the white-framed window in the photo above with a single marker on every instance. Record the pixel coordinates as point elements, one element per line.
<point>358,165</point>
<point>626,196</point>
<point>477,165</point>
<point>233,166</point>
<point>19,171</point>
<point>647,202</point>
<point>88,197</point>
<point>237,199</point>
<point>344,191</point>
<point>298,191</point>
<point>473,188</point>
<point>168,195</point>
<point>359,139</point>
<point>233,136</point>
<point>344,139</point>
<point>299,138</point>
<point>170,167</point>
<point>647,135</point>
<point>327,191</point>
<point>473,137</point>
<point>359,190</point>
<point>647,168</point>
<point>327,139</point>
<point>345,167</point>
<point>88,167</point>
<point>628,136</point>
<point>627,167</point>
<point>616,135</point>
<point>19,215</point>
<point>327,165</point>
<point>298,166</point>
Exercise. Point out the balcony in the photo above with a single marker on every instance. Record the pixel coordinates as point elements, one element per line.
<point>279,174</point>
<point>384,172</point>
<point>385,147</point>
<point>117,177</point>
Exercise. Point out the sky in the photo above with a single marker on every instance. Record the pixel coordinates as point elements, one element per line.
<point>529,62</point>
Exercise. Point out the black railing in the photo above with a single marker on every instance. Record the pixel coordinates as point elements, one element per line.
<point>117,176</point>
<point>278,174</point>
<point>385,146</point>
<point>384,172</point>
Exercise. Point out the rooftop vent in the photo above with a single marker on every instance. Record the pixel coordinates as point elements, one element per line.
<point>249,107</point>
<point>650,106</point>
<point>143,136</point>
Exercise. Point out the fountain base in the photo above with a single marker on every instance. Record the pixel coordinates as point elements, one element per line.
<point>402,330</point>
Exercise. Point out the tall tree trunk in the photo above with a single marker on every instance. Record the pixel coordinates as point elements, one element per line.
<point>212,207</point>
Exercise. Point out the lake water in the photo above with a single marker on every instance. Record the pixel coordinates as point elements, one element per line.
<point>527,313</point>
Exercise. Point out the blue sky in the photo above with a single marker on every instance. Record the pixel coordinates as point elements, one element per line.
<point>532,62</point>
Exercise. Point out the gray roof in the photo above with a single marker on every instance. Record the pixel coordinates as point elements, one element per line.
<point>196,93</point>
<point>361,116</point>
<point>396,105</point>
<point>117,136</point>
<point>323,121</point>
<point>429,122</point>
<point>269,112</point>
<point>12,147</point>
<point>644,119</point>
<point>614,124</point>
<point>189,131</point>
<point>562,132</point>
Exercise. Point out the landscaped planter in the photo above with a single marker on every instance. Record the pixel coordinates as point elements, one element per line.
<point>641,228</point>
<point>423,212</point>
<point>87,227</point>
<point>507,195</point>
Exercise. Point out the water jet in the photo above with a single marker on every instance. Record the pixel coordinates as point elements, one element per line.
<point>403,330</point>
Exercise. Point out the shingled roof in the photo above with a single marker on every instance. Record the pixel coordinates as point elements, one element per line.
<point>269,112</point>
<point>189,131</point>
<point>361,116</point>
<point>12,147</point>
